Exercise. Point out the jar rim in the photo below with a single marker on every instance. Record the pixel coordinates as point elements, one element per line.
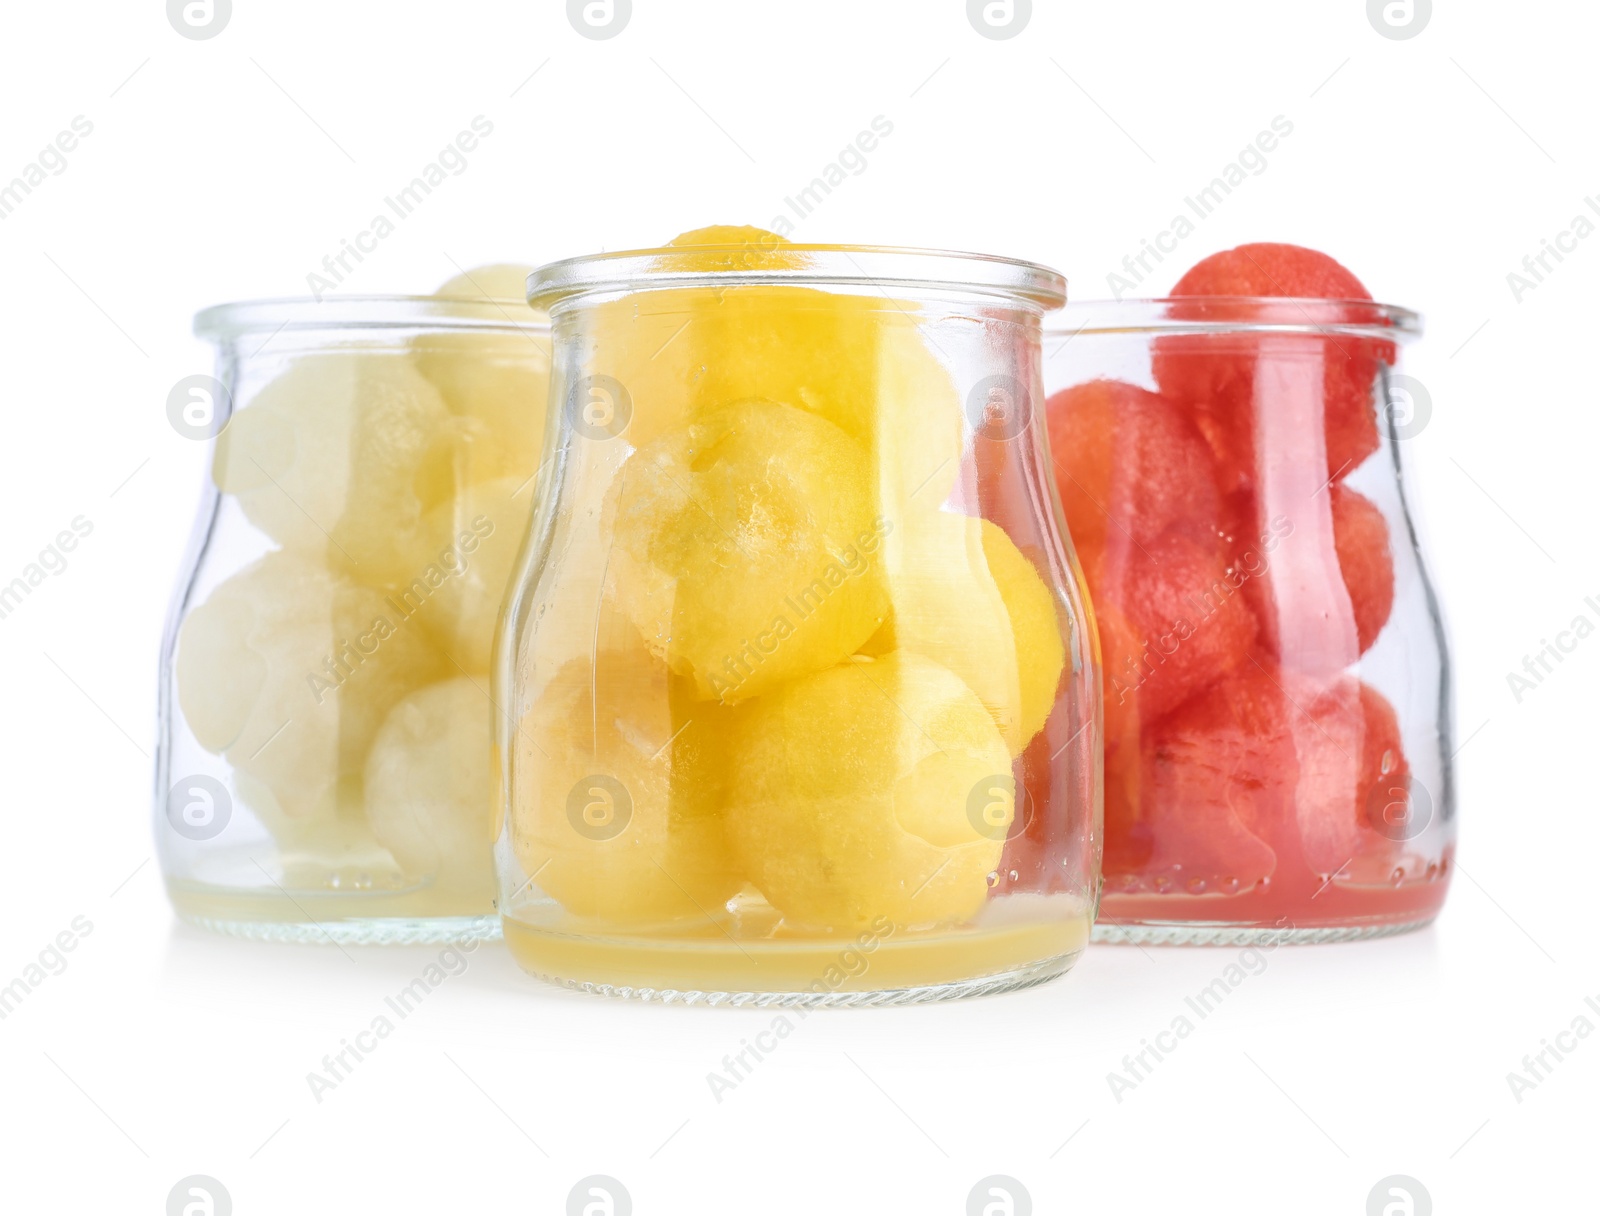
<point>1237,314</point>
<point>882,267</point>
<point>301,313</point>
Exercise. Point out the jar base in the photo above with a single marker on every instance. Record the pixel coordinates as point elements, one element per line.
<point>1199,933</point>
<point>1030,976</point>
<point>318,920</point>
<point>802,973</point>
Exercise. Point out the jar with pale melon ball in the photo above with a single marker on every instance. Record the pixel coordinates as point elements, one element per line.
<point>326,757</point>
<point>800,697</point>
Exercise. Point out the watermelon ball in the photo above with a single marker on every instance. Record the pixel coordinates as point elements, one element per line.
<point>1347,740</point>
<point>1192,808</point>
<point>1269,269</point>
<point>1361,540</point>
<point>1289,563</point>
<point>1171,623</point>
<point>1218,372</point>
<point>1128,462</point>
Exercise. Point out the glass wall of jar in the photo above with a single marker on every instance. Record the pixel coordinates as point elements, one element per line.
<point>325,753</point>
<point>801,700</point>
<point>1276,682</point>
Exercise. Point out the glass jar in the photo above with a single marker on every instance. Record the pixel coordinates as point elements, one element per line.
<point>1276,681</point>
<point>324,762</point>
<point>801,703</point>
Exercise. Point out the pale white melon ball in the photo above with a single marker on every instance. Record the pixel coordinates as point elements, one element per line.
<point>289,668</point>
<point>341,455</point>
<point>465,566</point>
<point>494,381</point>
<point>428,784</point>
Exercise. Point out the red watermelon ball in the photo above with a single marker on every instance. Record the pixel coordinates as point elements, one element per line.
<point>1198,802</point>
<point>1266,764</point>
<point>1269,269</point>
<point>1361,540</point>
<point>1127,461</point>
<point>1171,623</point>
<point>1217,373</point>
<point>1350,764</point>
<point>1272,557</point>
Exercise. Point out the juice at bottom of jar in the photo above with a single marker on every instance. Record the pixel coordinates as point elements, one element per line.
<point>214,907</point>
<point>1017,941</point>
<point>354,898</point>
<point>1290,904</point>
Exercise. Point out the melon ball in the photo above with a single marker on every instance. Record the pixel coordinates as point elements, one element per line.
<point>1127,462</point>
<point>745,548</point>
<point>428,785</point>
<point>289,668</point>
<point>636,369</point>
<point>1269,269</point>
<point>1218,374</point>
<point>963,595</point>
<point>1361,542</point>
<point>863,363</point>
<point>467,547</point>
<point>733,247</point>
<point>495,382</point>
<point>1171,622</point>
<point>497,282</point>
<point>1202,795</point>
<point>918,436</point>
<point>867,791</point>
<point>640,363</point>
<point>1269,772</point>
<point>615,793</point>
<point>340,456</point>
<point>1326,591</point>
<point>1351,763</point>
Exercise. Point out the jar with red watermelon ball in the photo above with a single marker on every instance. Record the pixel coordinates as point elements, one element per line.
<point>1276,681</point>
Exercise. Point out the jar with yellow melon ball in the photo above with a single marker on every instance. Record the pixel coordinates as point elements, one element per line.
<point>801,704</point>
<point>325,760</point>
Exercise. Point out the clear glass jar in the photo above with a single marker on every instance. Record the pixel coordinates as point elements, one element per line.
<point>325,753</point>
<point>802,709</point>
<point>1276,681</point>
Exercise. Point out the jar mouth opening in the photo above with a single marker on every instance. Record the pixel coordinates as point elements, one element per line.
<point>305,313</point>
<point>881,269</point>
<point>1235,315</point>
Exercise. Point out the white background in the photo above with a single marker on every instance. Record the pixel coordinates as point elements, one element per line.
<point>228,168</point>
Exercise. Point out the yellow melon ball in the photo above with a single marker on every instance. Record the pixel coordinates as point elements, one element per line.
<point>745,548</point>
<point>636,366</point>
<point>963,595</point>
<point>870,790</point>
<point>340,456</point>
<point>428,785</point>
<point>495,382</point>
<point>614,810</point>
<point>289,668</point>
<point>917,426</point>
<point>733,247</point>
<point>945,605</point>
<point>569,610</point>
<point>464,555</point>
<point>861,362</point>
<point>866,363</point>
<point>1035,627</point>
